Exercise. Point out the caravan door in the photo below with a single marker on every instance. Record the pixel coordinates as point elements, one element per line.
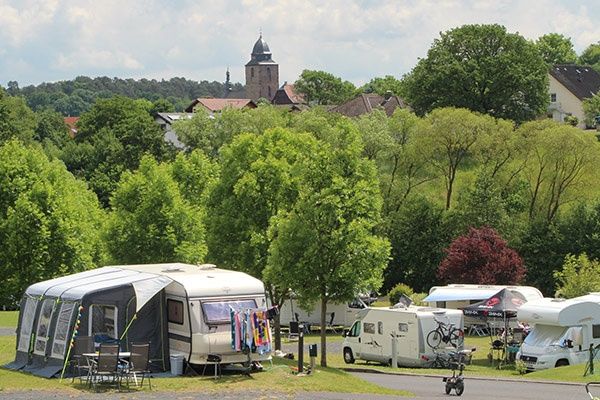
<point>372,344</point>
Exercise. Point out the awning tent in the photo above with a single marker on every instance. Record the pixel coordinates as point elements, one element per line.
<point>452,294</point>
<point>105,302</point>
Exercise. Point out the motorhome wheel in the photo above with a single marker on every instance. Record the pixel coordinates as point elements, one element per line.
<point>348,356</point>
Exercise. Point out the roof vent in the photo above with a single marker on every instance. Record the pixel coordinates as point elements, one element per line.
<point>172,268</point>
<point>207,266</point>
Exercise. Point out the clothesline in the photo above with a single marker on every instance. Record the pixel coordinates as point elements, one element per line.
<point>250,331</point>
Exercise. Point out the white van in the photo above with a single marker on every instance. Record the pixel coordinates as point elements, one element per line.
<point>562,331</point>
<point>370,337</point>
<point>457,296</point>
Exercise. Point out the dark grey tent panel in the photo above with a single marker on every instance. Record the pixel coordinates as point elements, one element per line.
<point>109,299</point>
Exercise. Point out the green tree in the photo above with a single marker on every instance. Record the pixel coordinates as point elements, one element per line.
<point>51,130</point>
<point>483,68</point>
<point>450,138</point>
<point>16,119</point>
<point>259,179</point>
<point>579,276</point>
<point>580,230</point>
<point>556,49</point>
<point>325,248</point>
<point>591,56</point>
<point>151,222</point>
<point>50,222</point>
<point>591,109</point>
<point>322,88</point>
<point>382,86</point>
<point>112,137</point>
<point>560,162</point>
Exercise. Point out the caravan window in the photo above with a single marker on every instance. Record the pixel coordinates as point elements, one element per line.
<point>403,327</point>
<point>175,311</point>
<point>27,317</point>
<point>63,323</point>
<point>44,326</point>
<point>380,328</point>
<point>369,327</point>
<point>104,320</point>
<point>596,331</point>
<point>218,312</point>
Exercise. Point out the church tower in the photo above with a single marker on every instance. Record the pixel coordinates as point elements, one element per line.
<point>262,73</point>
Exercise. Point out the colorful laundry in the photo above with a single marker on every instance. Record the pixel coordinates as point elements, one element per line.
<point>250,331</point>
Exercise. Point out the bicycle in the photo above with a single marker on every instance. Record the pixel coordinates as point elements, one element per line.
<point>447,334</point>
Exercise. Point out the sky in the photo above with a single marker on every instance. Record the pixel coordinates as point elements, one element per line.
<point>52,40</point>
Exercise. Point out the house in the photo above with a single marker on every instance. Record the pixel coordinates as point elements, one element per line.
<point>71,123</point>
<point>287,95</point>
<point>212,105</point>
<point>367,102</point>
<point>165,121</point>
<point>569,86</point>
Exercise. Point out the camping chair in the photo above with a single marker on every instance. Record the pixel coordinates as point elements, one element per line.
<point>82,344</point>
<point>330,323</point>
<point>106,367</point>
<point>138,364</point>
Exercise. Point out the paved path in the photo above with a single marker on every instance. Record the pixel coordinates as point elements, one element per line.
<point>477,389</point>
<point>7,331</point>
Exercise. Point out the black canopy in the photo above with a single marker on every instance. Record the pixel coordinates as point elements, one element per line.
<point>503,304</point>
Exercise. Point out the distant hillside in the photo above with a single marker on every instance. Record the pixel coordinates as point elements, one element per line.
<point>71,98</point>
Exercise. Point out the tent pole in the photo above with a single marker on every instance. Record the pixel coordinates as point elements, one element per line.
<point>128,326</point>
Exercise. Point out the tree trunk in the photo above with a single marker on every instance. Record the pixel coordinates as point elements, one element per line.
<point>277,328</point>
<point>323,331</point>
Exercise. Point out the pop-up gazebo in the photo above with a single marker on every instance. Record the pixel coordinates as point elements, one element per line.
<point>502,306</point>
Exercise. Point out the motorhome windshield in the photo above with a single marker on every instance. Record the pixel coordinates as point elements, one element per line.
<point>218,312</point>
<point>550,335</point>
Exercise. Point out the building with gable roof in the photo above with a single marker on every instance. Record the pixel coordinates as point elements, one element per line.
<point>367,102</point>
<point>569,86</point>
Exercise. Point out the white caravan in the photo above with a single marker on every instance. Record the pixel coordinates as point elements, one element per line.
<point>370,337</point>
<point>457,296</point>
<point>198,309</point>
<point>338,314</point>
<point>562,331</point>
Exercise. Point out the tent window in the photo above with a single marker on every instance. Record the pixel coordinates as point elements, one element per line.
<point>218,312</point>
<point>596,331</point>
<point>369,327</point>
<point>59,345</point>
<point>43,327</point>
<point>28,314</point>
<point>175,311</point>
<point>103,320</point>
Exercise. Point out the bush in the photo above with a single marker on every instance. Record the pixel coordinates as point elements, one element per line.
<point>397,291</point>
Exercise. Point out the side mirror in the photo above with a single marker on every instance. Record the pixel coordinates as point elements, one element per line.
<point>345,333</point>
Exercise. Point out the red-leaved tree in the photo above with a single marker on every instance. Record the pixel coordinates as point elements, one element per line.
<point>481,256</point>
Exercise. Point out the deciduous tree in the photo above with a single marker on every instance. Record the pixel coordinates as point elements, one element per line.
<point>322,88</point>
<point>579,276</point>
<point>556,49</point>
<point>481,256</point>
<point>483,68</point>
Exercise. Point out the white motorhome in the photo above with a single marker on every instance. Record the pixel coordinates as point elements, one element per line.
<point>562,331</point>
<point>370,337</point>
<point>198,305</point>
<point>338,314</point>
<point>457,296</point>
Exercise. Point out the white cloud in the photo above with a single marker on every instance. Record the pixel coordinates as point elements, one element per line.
<point>356,40</point>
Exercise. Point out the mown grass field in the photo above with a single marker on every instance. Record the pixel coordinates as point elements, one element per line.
<point>480,365</point>
<point>280,377</point>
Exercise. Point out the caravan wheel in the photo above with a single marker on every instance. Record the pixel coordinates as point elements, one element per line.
<point>348,356</point>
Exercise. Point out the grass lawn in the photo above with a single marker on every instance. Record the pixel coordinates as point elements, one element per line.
<point>277,378</point>
<point>9,319</point>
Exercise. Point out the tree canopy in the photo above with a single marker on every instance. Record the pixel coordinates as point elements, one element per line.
<point>556,49</point>
<point>323,88</point>
<point>483,68</point>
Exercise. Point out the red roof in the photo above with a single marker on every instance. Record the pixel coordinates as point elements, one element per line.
<point>286,95</point>
<point>71,122</point>
<point>215,105</point>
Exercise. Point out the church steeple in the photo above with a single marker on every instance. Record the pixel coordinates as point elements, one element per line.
<point>262,73</point>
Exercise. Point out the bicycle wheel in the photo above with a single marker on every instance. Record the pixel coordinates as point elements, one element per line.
<point>457,337</point>
<point>434,338</point>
